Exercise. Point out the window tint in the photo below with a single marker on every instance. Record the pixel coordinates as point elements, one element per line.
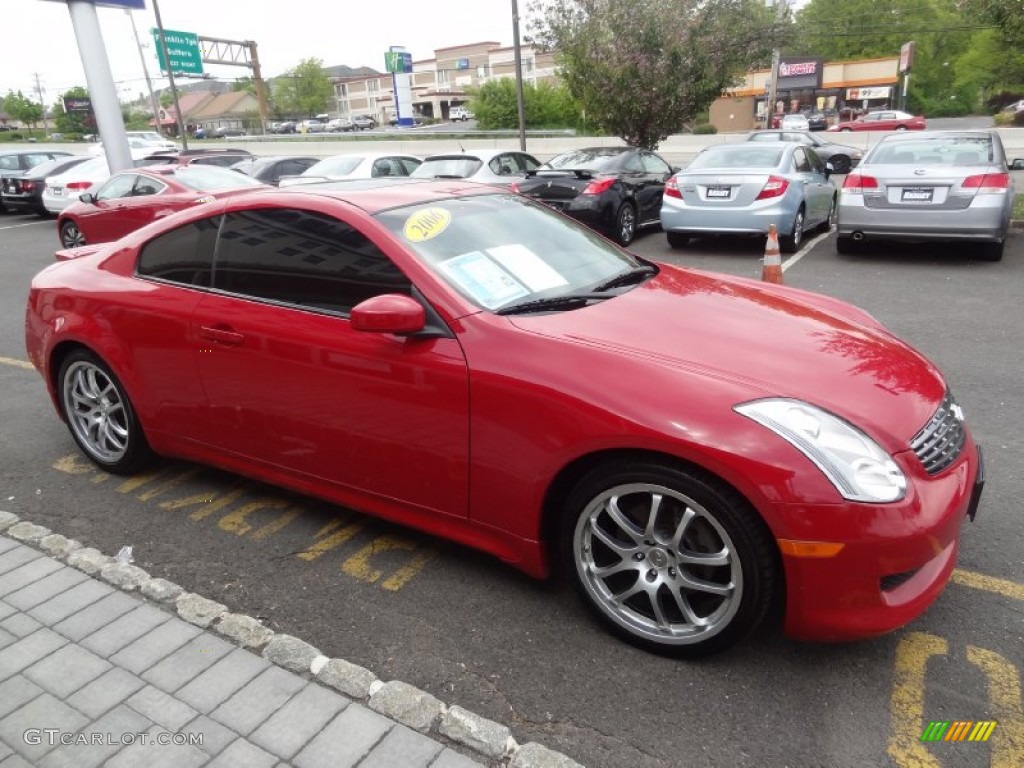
<point>302,257</point>
<point>410,164</point>
<point>183,255</point>
<point>117,187</point>
<point>634,164</point>
<point>146,186</point>
<point>527,162</point>
<point>8,162</point>
<point>816,164</point>
<point>800,161</point>
<point>654,164</point>
<point>503,165</point>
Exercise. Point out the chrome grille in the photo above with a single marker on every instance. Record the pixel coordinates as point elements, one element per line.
<point>940,441</point>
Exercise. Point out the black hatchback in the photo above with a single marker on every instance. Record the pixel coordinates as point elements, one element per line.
<point>615,190</point>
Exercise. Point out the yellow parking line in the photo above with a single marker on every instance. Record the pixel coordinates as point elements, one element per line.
<point>1003,587</point>
<point>17,363</point>
<point>1004,694</point>
<point>907,704</point>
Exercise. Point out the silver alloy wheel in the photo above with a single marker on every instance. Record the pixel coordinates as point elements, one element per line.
<point>96,412</point>
<point>71,235</point>
<point>830,222</point>
<point>798,229</point>
<point>658,564</point>
<point>627,224</point>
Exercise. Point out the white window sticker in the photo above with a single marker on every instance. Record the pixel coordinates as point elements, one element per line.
<point>483,279</point>
<point>527,267</point>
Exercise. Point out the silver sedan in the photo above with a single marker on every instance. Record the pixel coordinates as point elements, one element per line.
<point>741,189</point>
<point>942,185</point>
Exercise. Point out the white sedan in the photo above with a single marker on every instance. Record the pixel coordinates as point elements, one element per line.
<point>64,188</point>
<point>365,165</point>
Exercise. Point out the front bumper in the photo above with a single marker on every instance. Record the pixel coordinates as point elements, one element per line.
<point>896,559</point>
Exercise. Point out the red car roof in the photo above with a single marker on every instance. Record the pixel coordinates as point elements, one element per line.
<point>375,195</point>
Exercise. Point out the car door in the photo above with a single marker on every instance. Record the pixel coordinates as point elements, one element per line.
<point>810,182</point>
<point>657,172</point>
<point>824,190</point>
<point>292,387</point>
<point>100,221</point>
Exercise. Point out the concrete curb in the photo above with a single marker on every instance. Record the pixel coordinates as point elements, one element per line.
<point>399,701</point>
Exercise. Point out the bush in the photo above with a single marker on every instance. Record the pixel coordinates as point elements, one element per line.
<point>1002,119</point>
<point>705,128</point>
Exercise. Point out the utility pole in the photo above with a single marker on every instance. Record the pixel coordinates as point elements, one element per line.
<point>39,91</point>
<point>145,70</point>
<point>773,89</point>
<point>519,76</point>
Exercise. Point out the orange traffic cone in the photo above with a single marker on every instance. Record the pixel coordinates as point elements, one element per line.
<point>772,270</point>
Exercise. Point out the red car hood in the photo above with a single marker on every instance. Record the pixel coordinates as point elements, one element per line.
<point>773,341</point>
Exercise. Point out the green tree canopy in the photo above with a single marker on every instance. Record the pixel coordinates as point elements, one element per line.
<point>304,90</point>
<point>641,68</point>
<point>545,105</point>
<point>21,108</point>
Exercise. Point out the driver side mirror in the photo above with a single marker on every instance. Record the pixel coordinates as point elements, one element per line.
<point>389,313</point>
<point>87,197</point>
<point>1017,164</point>
<point>829,170</point>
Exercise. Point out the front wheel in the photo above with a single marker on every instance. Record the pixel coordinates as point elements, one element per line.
<point>991,251</point>
<point>901,127</point>
<point>100,415</point>
<point>669,559</point>
<point>70,235</point>
<point>625,224</point>
<point>830,220</point>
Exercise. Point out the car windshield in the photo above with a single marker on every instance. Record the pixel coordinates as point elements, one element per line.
<point>937,150</point>
<point>586,160</point>
<point>334,166</point>
<point>208,178</point>
<point>737,156</point>
<point>502,250</point>
<point>450,167</point>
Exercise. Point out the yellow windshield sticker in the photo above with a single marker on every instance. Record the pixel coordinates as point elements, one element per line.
<point>426,224</point>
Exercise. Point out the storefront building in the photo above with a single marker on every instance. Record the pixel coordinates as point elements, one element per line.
<point>840,90</point>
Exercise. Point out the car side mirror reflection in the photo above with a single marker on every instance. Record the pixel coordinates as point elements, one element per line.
<point>389,313</point>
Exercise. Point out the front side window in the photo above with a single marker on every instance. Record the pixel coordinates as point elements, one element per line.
<point>117,187</point>
<point>302,258</point>
<point>184,255</point>
<point>800,161</point>
<point>145,186</point>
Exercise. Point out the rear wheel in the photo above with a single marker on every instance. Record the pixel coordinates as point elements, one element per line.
<point>669,559</point>
<point>70,235</point>
<point>791,243</point>
<point>677,240</point>
<point>901,127</point>
<point>830,221</point>
<point>625,224</point>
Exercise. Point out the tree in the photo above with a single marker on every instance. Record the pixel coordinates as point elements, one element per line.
<point>73,122</point>
<point>304,90</point>
<point>23,109</point>
<point>641,68</point>
<point>545,105</point>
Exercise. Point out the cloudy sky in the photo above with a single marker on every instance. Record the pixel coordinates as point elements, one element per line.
<point>355,32</point>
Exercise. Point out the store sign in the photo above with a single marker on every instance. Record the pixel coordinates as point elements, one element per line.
<point>906,57</point>
<point>183,50</point>
<point>875,92</point>
<point>398,62</point>
<point>79,104</point>
<point>800,72</point>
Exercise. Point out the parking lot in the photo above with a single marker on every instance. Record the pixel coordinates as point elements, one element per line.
<point>478,634</point>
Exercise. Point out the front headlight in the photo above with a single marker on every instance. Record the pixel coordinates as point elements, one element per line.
<point>853,462</point>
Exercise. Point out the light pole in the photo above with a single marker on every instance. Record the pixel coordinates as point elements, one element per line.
<point>519,75</point>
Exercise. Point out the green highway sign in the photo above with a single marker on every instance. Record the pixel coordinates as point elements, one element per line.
<point>183,49</point>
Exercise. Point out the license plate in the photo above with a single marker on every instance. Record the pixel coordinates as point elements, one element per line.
<point>719,192</point>
<point>57,191</point>
<point>914,195</point>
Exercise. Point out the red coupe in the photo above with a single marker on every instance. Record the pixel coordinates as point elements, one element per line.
<point>883,120</point>
<point>691,449</point>
<point>131,199</point>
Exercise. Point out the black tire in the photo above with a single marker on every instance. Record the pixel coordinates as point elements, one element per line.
<point>100,416</point>
<point>679,607</point>
<point>901,127</point>
<point>791,243</point>
<point>677,239</point>
<point>840,163</point>
<point>991,251</point>
<point>847,245</point>
<point>625,224</point>
<point>70,235</point>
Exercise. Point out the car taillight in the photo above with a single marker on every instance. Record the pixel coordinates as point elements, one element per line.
<point>26,186</point>
<point>597,186</point>
<point>857,184</point>
<point>79,185</point>
<point>776,186</point>
<point>988,183</point>
<point>672,188</point>
<point>514,187</point>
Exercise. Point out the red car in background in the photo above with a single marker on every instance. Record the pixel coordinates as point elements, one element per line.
<point>134,198</point>
<point>883,120</point>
